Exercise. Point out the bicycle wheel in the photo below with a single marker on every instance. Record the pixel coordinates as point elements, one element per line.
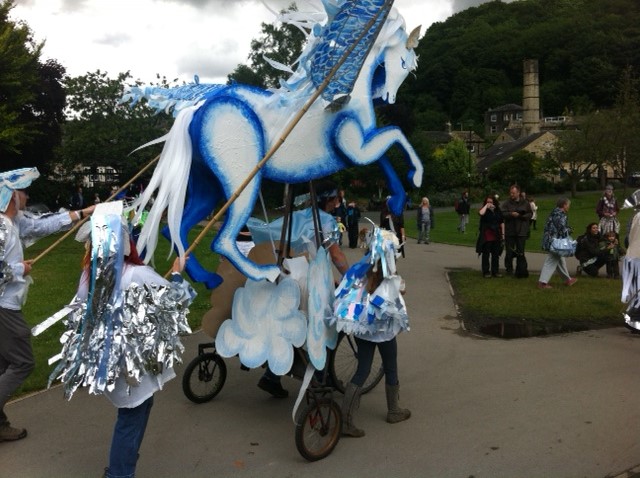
<point>318,429</point>
<point>343,363</point>
<point>204,377</point>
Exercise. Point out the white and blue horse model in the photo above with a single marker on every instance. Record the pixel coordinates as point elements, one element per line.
<point>221,132</point>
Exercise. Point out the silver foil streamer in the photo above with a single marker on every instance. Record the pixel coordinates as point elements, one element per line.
<point>146,323</point>
<point>6,273</point>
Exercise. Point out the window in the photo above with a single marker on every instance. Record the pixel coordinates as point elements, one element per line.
<point>494,118</point>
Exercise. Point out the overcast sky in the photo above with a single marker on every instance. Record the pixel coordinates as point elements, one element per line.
<point>175,38</point>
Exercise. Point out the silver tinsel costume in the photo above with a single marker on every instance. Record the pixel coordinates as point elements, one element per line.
<point>125,321</point>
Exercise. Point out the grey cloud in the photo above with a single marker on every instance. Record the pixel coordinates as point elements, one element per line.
<point>217,4</point>
<point>215,62</point>
<point>113,39</point>
<point>73,5</point>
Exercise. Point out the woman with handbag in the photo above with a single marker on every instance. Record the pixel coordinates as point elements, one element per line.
<point>558,244</point>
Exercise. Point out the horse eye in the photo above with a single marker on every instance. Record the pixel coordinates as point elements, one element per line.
<point>404,64</point>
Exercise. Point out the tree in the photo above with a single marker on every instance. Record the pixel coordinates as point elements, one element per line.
<point>103,132</point>
<point>282,44</point>
<point>31,97</point>
<point>450,166</point>
<point>518,169</point>
<point>580,154</point>
<point>627,121</point>
<point>473,61</point>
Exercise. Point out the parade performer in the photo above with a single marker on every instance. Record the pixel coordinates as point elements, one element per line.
<point>370,306</point>
<point>122,337</point>
<point>18,230</point>
<point>631,266</point>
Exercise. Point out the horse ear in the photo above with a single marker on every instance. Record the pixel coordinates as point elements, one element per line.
<point>412,41</point>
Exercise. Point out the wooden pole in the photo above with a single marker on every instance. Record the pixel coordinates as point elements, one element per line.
<point>82,221</point>
<point>285,134</point>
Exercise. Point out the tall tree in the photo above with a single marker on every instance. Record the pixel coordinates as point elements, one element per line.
<point>31,96</point>
<point>101,131</point>
<point>282,44</point>
<point>626,116</point>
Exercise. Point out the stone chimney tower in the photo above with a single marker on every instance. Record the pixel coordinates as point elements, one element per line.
<point>530,98</point>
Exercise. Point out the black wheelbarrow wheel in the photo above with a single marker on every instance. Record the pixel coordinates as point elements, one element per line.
<point>204,377</point>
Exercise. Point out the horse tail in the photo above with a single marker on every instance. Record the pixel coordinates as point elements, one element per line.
<point>169,181</point>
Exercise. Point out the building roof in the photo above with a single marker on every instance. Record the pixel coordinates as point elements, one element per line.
<point>502,151</point>
<point>507,107</point>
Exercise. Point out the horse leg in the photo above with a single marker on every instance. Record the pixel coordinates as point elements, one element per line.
<point>363,148</point>
<point>230,139</point>
<point>203,194</point>
<point>398,196</point>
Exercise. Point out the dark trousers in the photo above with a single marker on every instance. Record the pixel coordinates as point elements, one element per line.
<point>491,250</point>
<point>613,269</point>
<point>353,236</point>
<point>16,356</point>
<point>514,249</point>
<point>389,354</point>
<point>593,269</point>
<point>127,438</point>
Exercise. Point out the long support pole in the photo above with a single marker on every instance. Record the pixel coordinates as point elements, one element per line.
<point>79,223</point>
<point>287,131</point>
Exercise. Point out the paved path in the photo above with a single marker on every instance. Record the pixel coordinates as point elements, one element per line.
<point>561,406</point>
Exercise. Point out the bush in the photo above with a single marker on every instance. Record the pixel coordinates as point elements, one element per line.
<point>540,186</point>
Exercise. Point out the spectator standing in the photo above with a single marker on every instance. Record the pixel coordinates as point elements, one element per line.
<point>517,217</point>
<point>425,220</point>
<point>534,212</point>
<point>340,211</point>
<point>607,210</point>
<point>353,224</point>
<point>16,355</point>
<point>490,239</point>
<point>463,206</point>
<point>77,200</point>
<point>588,252</point>
<point>557,226</point>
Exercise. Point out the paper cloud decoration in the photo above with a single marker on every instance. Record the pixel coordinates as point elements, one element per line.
<point>266,325</point>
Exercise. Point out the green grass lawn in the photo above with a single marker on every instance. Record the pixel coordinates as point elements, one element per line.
<point>591,302</point>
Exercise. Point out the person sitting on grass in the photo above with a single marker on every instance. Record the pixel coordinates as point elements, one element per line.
<point>588,251</point>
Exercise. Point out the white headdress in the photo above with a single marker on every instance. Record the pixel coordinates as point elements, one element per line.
<point>15,179</point>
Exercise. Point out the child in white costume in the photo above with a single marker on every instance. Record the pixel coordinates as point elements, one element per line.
<point>122,334</point>
<point>370,306</point>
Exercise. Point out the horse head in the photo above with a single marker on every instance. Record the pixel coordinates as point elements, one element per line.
<point>398,59</point>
